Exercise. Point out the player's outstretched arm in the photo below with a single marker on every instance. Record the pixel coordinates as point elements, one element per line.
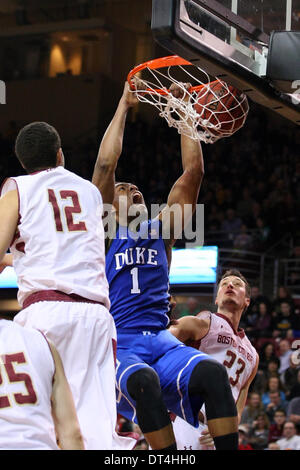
<point>9,214</point>
<point>111,147</point>
<point>63,409</point>
<point>184,193</point>
<point>191,328</point>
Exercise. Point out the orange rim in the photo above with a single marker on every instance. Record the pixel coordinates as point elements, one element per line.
<point>157,64</point>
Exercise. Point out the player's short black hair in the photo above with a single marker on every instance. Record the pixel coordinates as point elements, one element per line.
<point>237,273</point>
<point>37,145</point>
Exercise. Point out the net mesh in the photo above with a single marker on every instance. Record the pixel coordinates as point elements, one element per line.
<point>208,122</point>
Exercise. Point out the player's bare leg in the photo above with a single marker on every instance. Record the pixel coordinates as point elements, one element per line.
<point>221,426</point>
<point>161,439</point>
<point>223,430</point>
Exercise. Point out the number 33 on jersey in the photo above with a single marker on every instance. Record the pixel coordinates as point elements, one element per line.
<point>232,349</point>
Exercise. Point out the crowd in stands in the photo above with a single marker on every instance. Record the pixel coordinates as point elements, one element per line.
<point>271,418</point>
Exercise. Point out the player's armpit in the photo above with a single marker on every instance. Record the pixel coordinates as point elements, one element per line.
<point>9,214</point>
<point>63,409</point>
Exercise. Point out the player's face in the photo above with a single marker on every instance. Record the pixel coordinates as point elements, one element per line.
<point>232,291</point>
<point>126,196</point>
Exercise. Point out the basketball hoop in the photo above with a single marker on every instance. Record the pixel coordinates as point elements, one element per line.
<point>208,111</point>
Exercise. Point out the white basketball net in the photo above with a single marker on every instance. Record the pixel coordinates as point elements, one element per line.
<point>208,126</point>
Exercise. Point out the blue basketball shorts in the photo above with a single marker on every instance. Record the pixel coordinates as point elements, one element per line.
<point>171,360</point>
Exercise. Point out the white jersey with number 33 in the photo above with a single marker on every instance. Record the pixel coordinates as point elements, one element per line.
<point>59,244</point>
<point>232,349</point>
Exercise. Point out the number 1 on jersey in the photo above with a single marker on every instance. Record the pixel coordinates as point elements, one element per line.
<point>135,281</point>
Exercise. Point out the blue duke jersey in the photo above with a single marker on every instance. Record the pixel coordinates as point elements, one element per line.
<point>137,272</point>
<point>138,276</point>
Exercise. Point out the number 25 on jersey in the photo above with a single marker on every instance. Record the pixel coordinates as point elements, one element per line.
<point>7,364</point>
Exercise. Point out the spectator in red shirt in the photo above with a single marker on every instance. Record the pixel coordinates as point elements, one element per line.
<point>276,429</point>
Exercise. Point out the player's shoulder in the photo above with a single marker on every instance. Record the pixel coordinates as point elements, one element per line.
<point>84,183</point>
<point>199,321</point>
<point>76,177</point>
<point>204,315</point>
<point>9,184</point>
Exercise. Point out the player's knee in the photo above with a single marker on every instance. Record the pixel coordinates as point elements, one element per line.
<point>144,386</point>
<point>209,380</point>
<point>144,383</point>
<point>206,376</point>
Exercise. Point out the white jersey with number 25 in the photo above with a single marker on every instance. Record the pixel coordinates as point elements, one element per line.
<point>26,374</point>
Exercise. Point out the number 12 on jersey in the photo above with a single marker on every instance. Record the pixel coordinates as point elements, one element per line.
<point>68,211</point>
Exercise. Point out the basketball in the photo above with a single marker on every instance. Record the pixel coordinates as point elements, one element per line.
<point>221,105</point>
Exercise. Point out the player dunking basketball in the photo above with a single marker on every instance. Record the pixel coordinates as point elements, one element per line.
<point>219,336</point>
<point>155,371</point>
<point>51,218</point>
